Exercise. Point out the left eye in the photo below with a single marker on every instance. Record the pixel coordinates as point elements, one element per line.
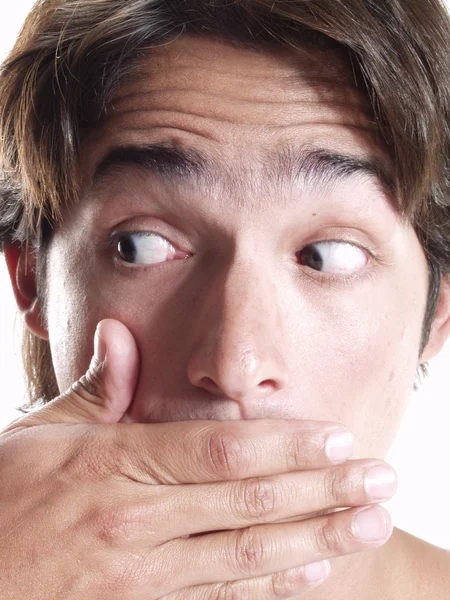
<point>333,257</point>
<point>144,248</point>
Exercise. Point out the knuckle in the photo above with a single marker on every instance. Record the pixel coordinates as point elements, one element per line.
<point>256,498</point>
<point>108,579</point>
<point>90,386</point>
<point>230,590</point>
<point>295,452</point>
<point>285,584</point>
<point>116,524</point>
<point>131,574</point>
<point>250,553</point>
<point>225,455</point>
<point>124,575</point>
<point>337,486</point>
<point>109,524</point>
<point>117,577</point>
<point>302,449</point>
<point>328,539</point>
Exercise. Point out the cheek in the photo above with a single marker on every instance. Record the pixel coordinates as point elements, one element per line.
<point>366,362</point>
<point>71,312</point>
<point>71,329</point>
<point>80,294</point>
<point>351,355</point>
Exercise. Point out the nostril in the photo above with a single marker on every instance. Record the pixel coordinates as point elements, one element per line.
<point>209,384</point>
<point>268,383</point>
<point>268,386</point>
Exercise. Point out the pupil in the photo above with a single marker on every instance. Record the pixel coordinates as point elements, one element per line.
<point>311,258</point>
<point>127,249</point>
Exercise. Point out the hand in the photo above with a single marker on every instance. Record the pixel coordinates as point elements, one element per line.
<point>101,509</point>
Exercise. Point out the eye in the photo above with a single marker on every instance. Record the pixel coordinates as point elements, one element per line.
<point>333,257</point>
<point>144,248</point>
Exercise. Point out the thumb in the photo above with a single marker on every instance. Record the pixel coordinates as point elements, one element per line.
<point>105,392</point>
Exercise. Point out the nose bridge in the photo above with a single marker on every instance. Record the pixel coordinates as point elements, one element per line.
<point>249,302</point>
<point>238,354</point>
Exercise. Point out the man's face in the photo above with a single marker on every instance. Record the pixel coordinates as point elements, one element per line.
<point>264,275</point>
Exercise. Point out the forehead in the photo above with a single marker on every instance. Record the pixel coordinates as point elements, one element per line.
<point>238,105</point>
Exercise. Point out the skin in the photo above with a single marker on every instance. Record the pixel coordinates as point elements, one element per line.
<point>315,350</point>
<point>240,329</point>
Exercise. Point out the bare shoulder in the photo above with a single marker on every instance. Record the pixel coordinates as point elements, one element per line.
<point>423,570</point>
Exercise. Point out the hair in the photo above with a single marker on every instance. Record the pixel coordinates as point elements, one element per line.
<point>72,56</point>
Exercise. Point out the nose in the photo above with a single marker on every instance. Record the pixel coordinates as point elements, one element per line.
<point>238,352</point>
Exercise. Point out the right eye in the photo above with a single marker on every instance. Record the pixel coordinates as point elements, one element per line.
<point>144,248</point>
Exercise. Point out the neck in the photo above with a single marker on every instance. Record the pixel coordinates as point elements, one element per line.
<point>366,575</point>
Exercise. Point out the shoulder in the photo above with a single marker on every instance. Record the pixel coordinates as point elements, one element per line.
<point>424,569</point>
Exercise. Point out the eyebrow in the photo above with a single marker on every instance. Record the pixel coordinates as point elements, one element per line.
<point>315,166</point>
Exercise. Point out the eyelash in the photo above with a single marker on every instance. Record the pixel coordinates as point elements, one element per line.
<point>323,280</point>
<point>343,280</point>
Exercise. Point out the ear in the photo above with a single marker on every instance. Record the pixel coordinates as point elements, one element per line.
<point>440,329</point>
<point>21,263</point>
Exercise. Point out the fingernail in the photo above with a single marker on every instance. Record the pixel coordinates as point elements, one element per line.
<point>370,524</point>
<point>99,347</point>
<point>339,446</point>
<point>317,570</point>
<point>380,483</point>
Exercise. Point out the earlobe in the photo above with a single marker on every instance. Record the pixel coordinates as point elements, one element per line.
<point>440,329</point>
<point>34,320</point>
<point>21,263</point>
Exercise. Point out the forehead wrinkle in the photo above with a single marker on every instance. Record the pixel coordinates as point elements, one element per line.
<point>313,90</point>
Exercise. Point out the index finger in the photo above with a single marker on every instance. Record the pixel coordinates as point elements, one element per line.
<point>211,451</point>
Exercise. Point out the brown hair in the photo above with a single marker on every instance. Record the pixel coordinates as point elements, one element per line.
<point>72,55</point>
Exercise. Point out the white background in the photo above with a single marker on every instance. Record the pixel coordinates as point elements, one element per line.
<point>420,452</point>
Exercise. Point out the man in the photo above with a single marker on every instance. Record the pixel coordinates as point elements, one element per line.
<point>248,203</point>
